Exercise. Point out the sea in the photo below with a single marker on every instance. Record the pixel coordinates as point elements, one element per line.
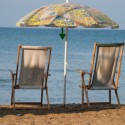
<point>80,46</point>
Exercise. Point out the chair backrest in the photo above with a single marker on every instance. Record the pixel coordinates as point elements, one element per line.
<point>33,62</point>
<point>106,62</point>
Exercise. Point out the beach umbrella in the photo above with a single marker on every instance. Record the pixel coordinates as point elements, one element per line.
<point>67,15</point>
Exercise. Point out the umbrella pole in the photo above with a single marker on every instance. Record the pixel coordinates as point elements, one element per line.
<point>65,65</point>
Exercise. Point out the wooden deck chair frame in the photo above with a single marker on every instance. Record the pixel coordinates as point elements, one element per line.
<point>14,76</point>
<point>85,87</point>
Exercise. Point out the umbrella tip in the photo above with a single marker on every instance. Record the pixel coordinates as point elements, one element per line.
<point>67,1</point>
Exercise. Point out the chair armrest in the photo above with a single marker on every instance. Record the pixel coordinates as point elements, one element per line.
<point>45,74</point>
<point>12,72</point>
<point>45,81</point>
<point>83,72</point>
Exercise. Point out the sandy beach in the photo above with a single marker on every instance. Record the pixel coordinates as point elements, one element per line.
<point>72,114</point>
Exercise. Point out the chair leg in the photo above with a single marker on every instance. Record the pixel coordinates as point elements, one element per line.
<point>110,97</point>
<point>41,97</point>
<point>82,97</point>
<point>84,90</point>
<point>86,93</point>
<point>13,98</point>
<point>47,98</point>
<point>118,100</point>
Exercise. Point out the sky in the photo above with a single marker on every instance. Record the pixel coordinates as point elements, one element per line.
<point>13,10</point>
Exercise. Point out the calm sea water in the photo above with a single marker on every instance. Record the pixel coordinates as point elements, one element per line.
<point>80,48</point>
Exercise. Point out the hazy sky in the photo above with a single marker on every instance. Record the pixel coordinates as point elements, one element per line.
<point>13,10</point>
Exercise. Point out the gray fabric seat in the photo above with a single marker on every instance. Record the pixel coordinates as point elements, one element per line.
<point>105,68</point>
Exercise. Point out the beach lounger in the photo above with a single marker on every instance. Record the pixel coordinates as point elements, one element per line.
<point>104,71</point>
<point>32,71</point>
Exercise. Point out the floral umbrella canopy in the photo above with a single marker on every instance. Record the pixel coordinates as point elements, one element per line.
<point>67,15</point>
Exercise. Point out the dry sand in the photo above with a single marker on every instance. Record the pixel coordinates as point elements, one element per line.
<point>70,115</point>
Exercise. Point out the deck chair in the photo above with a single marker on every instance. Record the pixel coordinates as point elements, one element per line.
<point>32,71</point>
<point>104,71</point>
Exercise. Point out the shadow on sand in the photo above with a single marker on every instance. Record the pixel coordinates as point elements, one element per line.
<point>55,109</point>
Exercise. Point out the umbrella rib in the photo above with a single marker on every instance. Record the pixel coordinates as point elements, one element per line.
<point>65,12</point>
<point>37,11</point>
